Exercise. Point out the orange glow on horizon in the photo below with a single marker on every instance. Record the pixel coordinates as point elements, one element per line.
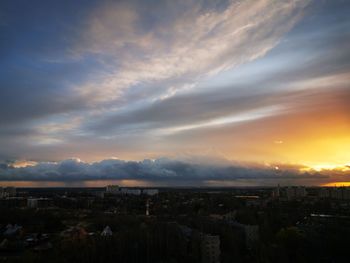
<point>337,184</point>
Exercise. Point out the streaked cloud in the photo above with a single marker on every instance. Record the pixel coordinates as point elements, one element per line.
<point>195,41</point>
<point>252,81</point>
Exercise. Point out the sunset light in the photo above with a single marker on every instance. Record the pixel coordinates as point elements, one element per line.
<point>208,90</point>
<point>174,131</point>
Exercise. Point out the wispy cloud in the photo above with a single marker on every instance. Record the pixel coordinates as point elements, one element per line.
<point>148,79</point>
<point>195,41</point>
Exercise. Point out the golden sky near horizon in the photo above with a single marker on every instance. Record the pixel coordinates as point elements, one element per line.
<point>247,83</point>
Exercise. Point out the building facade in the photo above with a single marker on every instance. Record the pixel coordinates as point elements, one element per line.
<point>210,248</point>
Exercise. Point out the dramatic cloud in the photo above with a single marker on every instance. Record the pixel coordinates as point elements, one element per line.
<point>190,40</point>
<point>250,81</point>
<point>166,172</point>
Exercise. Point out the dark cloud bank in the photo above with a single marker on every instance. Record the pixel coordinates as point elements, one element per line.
<point>164,172</point>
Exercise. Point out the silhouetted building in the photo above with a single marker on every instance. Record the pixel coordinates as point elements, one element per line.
<point>11,202</point>
<point>7,192</point>
<point>251,233</point>
<point>147,207</point>
<point>338,193</point>
<point>276,192</point>
<point>113,189</point>
<point>39,202</point>
<point>230,215</point>
<point>296,192</point>
<point>210,248</point>
<point>129,191</point>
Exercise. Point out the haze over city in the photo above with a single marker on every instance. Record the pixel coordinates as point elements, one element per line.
<point>174,93</point>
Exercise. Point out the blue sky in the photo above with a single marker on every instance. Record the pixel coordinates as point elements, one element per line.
<point>220,81</point>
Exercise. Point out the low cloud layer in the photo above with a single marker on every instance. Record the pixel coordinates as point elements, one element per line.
<point>169,172</point>
<point>150,79</point>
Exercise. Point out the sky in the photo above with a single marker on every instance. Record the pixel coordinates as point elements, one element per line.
<point>212,92</point>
